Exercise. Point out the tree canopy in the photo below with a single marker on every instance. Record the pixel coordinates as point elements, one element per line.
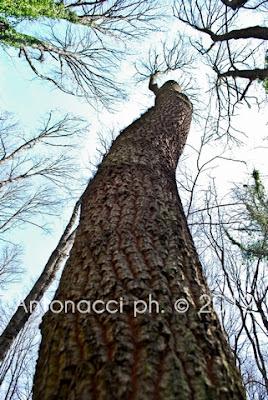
<point>75,45</point>
<point>232,39</point>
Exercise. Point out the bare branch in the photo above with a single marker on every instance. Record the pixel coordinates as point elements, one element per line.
<point>81,57</point>
<point>254,74</point>
<point>253,32</point>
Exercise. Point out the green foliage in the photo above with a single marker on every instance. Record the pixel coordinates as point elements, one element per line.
<point>11,37</point>
<point>14,11</point>
<point>254,229</point>
<point>34,9</point>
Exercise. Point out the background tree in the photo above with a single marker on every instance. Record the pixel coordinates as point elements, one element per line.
<point>31,301</point>
<point>229,229</point>
<point>235,51</point>
<point>36,176</point>
<point>34,165</point>
<point>16,371</point>
<point>75,45</point>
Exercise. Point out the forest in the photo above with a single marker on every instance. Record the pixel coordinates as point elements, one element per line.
<point>133,200</point>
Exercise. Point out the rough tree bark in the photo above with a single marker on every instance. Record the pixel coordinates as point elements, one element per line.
<point>132,242</point>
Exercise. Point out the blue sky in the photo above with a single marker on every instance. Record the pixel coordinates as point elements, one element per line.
<point>29,98</point>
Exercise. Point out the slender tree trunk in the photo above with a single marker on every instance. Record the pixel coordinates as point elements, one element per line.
<point>133,242</point>
<point>23,312</point>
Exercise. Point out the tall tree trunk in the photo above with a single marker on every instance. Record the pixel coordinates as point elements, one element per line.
<point>46,278</point>
<point>133,242</point>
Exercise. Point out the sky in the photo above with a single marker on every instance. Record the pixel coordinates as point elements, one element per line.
<point>29,99</point>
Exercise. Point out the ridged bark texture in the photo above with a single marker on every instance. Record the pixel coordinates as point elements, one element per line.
<point>132,242</point>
